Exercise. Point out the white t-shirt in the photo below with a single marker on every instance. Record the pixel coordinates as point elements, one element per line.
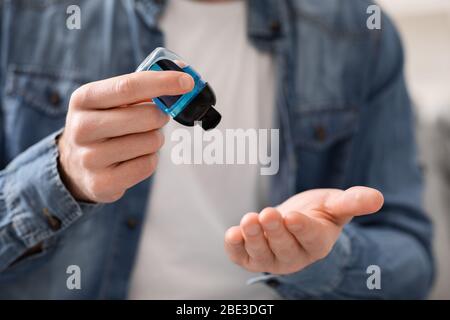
<point>181,254</point>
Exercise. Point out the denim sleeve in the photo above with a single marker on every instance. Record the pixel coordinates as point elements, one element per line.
<point>34,203</point>
<point>397,240</point>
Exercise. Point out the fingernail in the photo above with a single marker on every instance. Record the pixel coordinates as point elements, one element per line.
<point>185,81</point>
<point>252,230</point>
<point>272,225</point>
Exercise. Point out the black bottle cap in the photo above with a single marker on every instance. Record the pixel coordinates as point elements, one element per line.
<point>201,109</point>
<point>211,119</point>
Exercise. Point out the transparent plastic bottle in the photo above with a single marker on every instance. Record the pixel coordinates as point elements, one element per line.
<point>189,108</point>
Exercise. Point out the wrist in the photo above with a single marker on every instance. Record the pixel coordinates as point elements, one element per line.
<point>63,165</point>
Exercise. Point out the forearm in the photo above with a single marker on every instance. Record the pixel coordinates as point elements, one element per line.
<point>404,262</point>
<point>34,203</point>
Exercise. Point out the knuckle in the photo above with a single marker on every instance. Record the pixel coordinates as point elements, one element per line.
<point>79,127</point>
<point>124,86</point>
<point>94,186</point>
<point>79,96</point>
<point>97,186</point>
<point>101,189</point>
<point>87,157</point>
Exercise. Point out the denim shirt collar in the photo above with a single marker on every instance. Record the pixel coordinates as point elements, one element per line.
<point>263,23</point>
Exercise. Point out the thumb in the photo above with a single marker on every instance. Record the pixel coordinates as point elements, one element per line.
<point>355,201</point>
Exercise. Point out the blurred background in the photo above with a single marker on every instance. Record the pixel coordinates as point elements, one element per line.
<point>425,29</point>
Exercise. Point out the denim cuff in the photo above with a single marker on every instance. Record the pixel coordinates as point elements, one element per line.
<point>36,201</point>
<point>316,280</point>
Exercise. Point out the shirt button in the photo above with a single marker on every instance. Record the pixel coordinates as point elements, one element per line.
<point>273,283</point>
<point>131,223</point>
<point>275,26</point>
<point>53,222</point>
<point>54,98</point>
<point>320,133</point>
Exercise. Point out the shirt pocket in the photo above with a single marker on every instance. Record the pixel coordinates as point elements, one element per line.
<point>323,138</point>
<point>323,127</point>
<point>35,104</point>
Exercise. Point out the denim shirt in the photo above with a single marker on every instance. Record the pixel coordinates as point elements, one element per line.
<point>342,108</point>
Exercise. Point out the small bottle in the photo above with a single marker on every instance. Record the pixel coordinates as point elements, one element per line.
<point>189,108</point>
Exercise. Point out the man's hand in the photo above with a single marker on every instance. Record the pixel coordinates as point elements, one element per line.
<point>111,136</point>
<point>298,232</point>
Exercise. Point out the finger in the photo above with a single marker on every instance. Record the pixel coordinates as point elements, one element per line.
<point>121,121</point>
<point>131,172</point>
<point>281,241</point>
<point>131,88</point>
<point>255,242</point>
<point>234,246</point>
<point>352,202</point>
<point>117,150</point>
<point>308,232</point>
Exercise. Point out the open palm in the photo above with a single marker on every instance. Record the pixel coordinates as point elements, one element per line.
<point>298,232</point>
